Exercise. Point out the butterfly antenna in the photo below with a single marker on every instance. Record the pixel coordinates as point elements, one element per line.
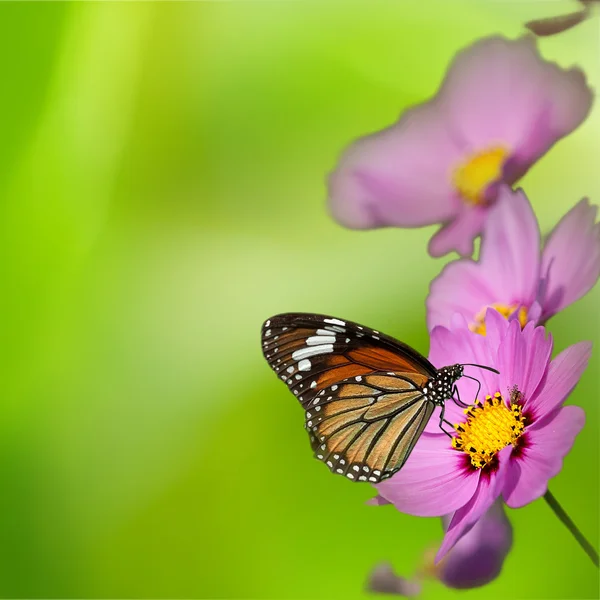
<point>481,367</point>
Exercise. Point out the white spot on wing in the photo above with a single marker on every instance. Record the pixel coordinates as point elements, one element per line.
<point>315,351</point>
<point>334,322</point>
<point>304,365</point>
<point>315,340</point>
<point>336,329</point>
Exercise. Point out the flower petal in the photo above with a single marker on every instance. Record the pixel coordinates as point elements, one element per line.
<point>459,234</point>
<point>574,241</point>
<point>478,556</point>
<point>563,375</point>
<point>534,314</point>
<point>433,480</point>
<point>496,328</point>
<point>558,24</point>
<point>567,100</point>
<point>542,457</point>
<point>523,358</point>
<point>462,287</point>
<point>510,249</point>
<point>488,489</point>
<point>398,176</point>
<point>507,273</point>
<point>571,95</point>
<point>492,90</point>
<point>502,91</point>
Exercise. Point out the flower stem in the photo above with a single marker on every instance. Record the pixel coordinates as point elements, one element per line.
<point>564,517</point>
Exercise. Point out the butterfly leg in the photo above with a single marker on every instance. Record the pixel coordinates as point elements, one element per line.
<point>478,386</point>
<point>457,399</point>
<point>442,420</point>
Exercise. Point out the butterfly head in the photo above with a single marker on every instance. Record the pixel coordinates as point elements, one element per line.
<point>439,388</point>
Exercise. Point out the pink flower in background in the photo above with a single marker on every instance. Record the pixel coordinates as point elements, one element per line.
<point>510,443</point>
<point>512,274</point>
<point>476,559</point>
<point>499,109</point>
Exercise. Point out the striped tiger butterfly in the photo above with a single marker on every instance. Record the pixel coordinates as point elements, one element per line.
<point>367,396</point>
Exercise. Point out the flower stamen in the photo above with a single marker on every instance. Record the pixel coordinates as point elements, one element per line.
<point>490,427</point>
<point>472,178</point>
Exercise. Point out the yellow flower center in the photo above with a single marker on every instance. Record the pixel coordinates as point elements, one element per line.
<point>478,325</point>
<point>490,427</point>
<point>472,177</point>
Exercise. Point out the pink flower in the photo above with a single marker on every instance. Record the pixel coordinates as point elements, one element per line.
<point>513,275</point>
<point>476,559</point>
<point>510,444</point>
<point>499,109</point>
<point>478,556</point>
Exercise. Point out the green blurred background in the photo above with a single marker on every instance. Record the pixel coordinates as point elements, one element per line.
<point>162,192</point>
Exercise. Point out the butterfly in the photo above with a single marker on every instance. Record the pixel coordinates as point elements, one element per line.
<point>367,397</point>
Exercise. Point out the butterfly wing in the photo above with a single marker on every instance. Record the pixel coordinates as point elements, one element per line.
<point>366,427</point>
<point>372,427</point>
<point>310,352</point>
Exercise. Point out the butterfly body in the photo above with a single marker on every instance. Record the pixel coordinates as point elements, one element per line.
<point>367,397</point>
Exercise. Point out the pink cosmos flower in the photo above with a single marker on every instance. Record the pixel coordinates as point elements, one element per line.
<point>510,444</point>
<point>476,559</point>
<point>513,275</point>
<point>499,109</point>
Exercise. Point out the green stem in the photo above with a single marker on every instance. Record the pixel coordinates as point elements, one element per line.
<point>564,517</point>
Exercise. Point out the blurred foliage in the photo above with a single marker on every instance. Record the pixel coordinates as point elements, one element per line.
<point>163,193</point>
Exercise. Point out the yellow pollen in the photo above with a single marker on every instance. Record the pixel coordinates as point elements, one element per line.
<point>490,427</point>
<point>478,325</point>
<point>472,177</point>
